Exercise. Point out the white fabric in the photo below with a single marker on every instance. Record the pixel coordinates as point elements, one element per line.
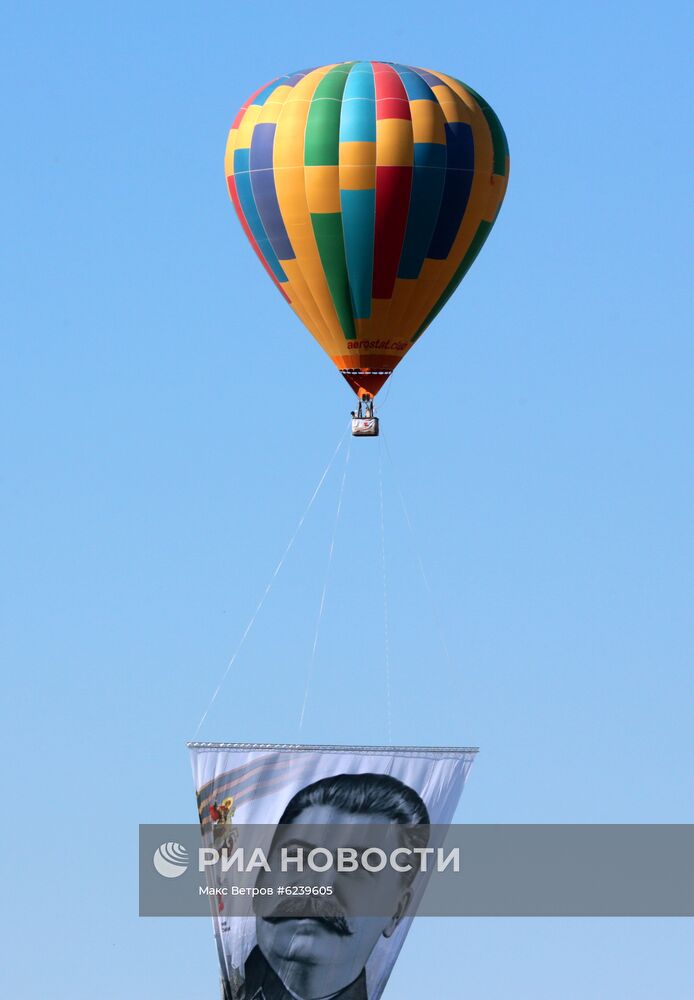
<point>262,780</point>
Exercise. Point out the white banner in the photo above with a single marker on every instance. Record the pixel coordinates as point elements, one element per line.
<point>327,956</point>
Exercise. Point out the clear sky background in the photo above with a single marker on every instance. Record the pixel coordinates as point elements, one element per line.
<point>166,419</point>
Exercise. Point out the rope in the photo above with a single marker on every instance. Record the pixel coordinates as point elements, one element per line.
<point>272,579</point>
<point>386,394</point>
<point>325,585</point>
<point>427,585</point>
<point>386,629</point>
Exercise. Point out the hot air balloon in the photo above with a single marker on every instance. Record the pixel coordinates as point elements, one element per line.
<point>366,189</point>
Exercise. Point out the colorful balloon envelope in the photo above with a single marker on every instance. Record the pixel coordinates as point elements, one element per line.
<point>367,189</point>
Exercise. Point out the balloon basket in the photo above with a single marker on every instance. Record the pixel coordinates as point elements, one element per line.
<point>365,427</point>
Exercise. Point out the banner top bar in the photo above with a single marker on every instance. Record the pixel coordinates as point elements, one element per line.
<point>299,747</point>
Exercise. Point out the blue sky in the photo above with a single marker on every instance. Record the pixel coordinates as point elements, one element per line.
<point>166,419</point>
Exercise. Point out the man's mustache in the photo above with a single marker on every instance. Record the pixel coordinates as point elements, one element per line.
<point>312,908</point>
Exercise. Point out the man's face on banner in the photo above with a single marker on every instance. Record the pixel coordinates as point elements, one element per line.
<point>329,948</point>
